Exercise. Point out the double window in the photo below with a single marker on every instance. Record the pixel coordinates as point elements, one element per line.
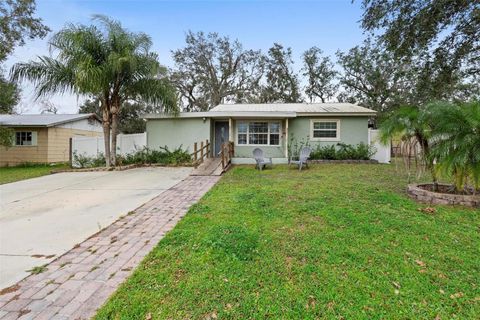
<point>325,130</point>
<point>258,133</point>
<point>25,138</point>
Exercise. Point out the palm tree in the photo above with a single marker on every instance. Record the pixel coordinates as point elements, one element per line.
<point>456,142</point>
<point>105,61</point>
<point>412,123</point>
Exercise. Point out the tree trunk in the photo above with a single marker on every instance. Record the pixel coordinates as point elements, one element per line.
<point>113,153</point>
<point>106,134</point>
<point>115,110</point>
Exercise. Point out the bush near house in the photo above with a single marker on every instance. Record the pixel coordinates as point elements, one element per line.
<point>343,151</point>
<point>163,156</point>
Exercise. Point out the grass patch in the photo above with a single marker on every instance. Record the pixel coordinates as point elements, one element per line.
<point>27,171</point>
<point>334,241</point>
<point>38,269</point>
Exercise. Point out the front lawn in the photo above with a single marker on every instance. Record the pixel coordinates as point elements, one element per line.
<point>22,172</point>
<point>335,241</point>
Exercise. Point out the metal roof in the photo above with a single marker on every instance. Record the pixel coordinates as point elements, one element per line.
<point>42,120</point>
<point>273,110</point>
<point>222,114</point>
<point>299,108</point>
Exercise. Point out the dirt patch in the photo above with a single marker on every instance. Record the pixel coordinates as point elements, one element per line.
<point>9,289</point>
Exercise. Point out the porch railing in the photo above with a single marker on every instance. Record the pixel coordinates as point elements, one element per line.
<point>226,154</point>
<point>200,153</point>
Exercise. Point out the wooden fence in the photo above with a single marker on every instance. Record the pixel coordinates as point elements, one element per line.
<point>200,153</point>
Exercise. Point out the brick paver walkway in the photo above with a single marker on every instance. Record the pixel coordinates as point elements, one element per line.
<point>75,285</point>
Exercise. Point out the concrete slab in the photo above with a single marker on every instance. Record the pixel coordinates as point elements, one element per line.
<point>42,218</point>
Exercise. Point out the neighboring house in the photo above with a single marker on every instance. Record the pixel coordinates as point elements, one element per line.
<point>45,138</point>
<point>268,126</point>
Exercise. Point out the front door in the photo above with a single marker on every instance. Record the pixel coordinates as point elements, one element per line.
<point>221,135</point>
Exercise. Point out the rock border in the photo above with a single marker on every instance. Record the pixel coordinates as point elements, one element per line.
<point>343,161</point>
<point>122,168</point>
<point>415,192</point>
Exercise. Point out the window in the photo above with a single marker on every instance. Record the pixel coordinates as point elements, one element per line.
<point>25,138</point>
<point>325,130</point>
<point>258,133</point>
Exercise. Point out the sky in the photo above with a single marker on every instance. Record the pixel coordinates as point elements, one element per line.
<point>328,24</point>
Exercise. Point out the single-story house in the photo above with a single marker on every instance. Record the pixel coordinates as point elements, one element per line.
<point>270,126</point>
<point>45,138</point>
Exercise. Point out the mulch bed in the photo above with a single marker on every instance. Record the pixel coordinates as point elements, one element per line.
<point>343,161</point>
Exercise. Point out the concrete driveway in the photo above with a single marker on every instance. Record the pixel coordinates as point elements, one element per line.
<point>42,218</point>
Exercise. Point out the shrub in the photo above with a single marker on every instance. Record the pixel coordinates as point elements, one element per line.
<point>84,161</point>
<point>162,156</point>
<point>143,156</point>
<point>343,151</point>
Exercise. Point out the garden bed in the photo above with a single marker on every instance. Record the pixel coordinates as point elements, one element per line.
<point>343,161</point>
<point>121,168</point>
<point>423,193</point>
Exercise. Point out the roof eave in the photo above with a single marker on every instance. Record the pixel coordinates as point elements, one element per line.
<point>336,114</point>
<point>87,116</point>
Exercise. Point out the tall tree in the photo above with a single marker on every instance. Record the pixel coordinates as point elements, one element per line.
<point>212,69</point>
<point>371,76</point>
<point>320,74</point>
<point>374,77</point>
<point>448,28</point>
<point>282,83</point>
<point>106,61</point>
<point>9,95</point>
<point>17,22</point>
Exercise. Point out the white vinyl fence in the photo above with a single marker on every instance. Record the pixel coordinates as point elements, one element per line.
<point>95,146</point>
<point>382,151</point>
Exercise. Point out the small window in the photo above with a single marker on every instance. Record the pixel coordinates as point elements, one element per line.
<point>325,130</point>
<point>242,128</point>
<point>25,138</point>
<point>274,133</point>
<point>258,133</point>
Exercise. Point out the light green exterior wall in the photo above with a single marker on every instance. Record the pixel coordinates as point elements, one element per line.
<point>353,130</point>
<point>175,132</point>
<point>186,131</point>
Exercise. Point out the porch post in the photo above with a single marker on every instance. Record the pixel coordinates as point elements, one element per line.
<point>286,138</point>
<point>230,130</point>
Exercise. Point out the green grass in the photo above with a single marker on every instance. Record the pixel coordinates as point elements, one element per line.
<point>27,171</point>
<point>331,242</point>
<point>38,269</point>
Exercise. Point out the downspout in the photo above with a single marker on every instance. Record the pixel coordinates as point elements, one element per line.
<point>286,138</point>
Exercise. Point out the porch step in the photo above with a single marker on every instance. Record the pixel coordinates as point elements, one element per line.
<point>209,167</point>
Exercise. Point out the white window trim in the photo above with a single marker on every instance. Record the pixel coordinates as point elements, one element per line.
<point>34,139</point>
<point>268,134</point>
<point>312,121</point>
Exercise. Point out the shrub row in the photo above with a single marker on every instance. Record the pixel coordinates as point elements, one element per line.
<point>143,156</point>
<point>343,151</point>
